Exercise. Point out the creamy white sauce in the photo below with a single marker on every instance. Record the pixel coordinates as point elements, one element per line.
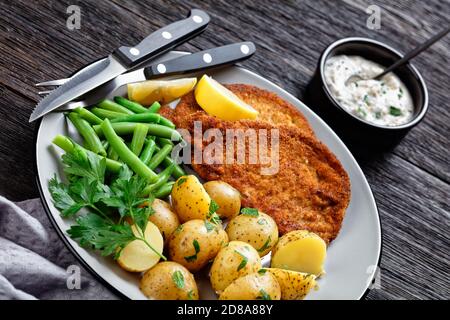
<point>384,102</point>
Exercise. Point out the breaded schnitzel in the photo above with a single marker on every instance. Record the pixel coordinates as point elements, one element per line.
<point>311,190</point>
<point>271,107</point>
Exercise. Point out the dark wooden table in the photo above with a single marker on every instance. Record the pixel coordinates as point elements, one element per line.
<point>410,183</point>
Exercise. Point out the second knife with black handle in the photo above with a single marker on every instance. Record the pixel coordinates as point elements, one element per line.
<point>211,58</point>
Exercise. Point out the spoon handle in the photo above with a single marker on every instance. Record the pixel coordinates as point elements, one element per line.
<point>414,53</point>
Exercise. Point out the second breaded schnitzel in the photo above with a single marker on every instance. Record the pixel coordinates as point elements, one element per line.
<point>309,190</point>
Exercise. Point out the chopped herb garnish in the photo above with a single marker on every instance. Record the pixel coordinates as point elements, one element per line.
<point>190,295</point>
<point>366,99</point>
<point>181,181</point>
<point>197,250</point>
<point>213,207</point>
<point>262,271</point>
<point>191,258</point>
<point>265,245</point>
<point>243,262</point>
<point>262,221</point>
<point>264,295</point>
<point>179,228</point>
<point>196,246</point>
<point>212,215</point>
<point>250,212</point>
<point>361,112</point>
<point>395,111</point>
<point>209,226</point>
<point>178,279</point>
<point>378,115</point>
<point>215,219</point>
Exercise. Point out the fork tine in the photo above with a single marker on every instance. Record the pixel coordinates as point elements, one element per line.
<point>57,82</point>
<point>73,105</point>
<point>42,93</point>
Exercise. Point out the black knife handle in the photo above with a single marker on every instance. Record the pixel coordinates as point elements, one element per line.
<point>201,60</point>
<point>164,39</point>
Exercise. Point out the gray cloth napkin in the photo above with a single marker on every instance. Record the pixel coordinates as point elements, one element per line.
<point>35,263</point>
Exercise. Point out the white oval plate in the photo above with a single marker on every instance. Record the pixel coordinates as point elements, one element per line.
<point>352,258</point>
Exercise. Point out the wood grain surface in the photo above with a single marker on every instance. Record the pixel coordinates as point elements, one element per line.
<point>410,183</point>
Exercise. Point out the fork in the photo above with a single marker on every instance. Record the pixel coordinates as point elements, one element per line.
<point>202,60</point>
<point>59,82</point>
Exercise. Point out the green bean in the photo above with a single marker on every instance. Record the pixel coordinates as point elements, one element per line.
<point>112,154</point>
<point>64,143</point>
<point>112,106</point>
<point>124,128</point>
<point>105,144</point>
<point>140,132</point>
<point>164,191</point>
<point>163,176</point>
<point>88,116</point>
<point>89,135</point>
<point>163,141</point>
<point>131,105</point>
<point>139,117</point>
<point>159,157</point>
<point>178,171</point>
<point>148,151</point>
<point>154,107</point>
<point>166,122</point>
<point>67,145</point>
<point>103,113</point>
<point>125,154</point>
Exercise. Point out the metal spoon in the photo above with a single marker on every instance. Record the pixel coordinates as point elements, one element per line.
<point>403,60</point>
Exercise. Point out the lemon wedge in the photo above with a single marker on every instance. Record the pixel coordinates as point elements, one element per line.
<point>164,91</point>
<point>218,101</point>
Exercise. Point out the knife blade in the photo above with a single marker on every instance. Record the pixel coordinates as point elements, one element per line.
<point>123,59</point>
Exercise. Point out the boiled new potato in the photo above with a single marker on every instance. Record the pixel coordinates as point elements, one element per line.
<point>189,199</point>
<point>137,256</point>
<point>258,229</point>
<point>254,286</point>
<point>194,243</point>
<point>227,197</point>
<point>301,251</point>
<point>164,218</point>
<point>233,261</point>
<point>294,285</point>
<point>169,281</point>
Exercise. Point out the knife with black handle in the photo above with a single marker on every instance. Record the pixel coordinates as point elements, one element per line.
<point>164,39</point>
<point>123,59</point>
<point>203,60</point>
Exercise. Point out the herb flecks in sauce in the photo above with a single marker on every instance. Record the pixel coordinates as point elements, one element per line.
<point>395,111</point>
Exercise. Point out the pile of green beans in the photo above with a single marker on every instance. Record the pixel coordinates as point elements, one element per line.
<point>126,132</point>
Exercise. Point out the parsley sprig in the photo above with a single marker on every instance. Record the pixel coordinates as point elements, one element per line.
<point>86,189</point>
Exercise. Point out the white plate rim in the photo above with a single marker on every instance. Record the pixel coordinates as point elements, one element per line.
<point>306,109</point>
